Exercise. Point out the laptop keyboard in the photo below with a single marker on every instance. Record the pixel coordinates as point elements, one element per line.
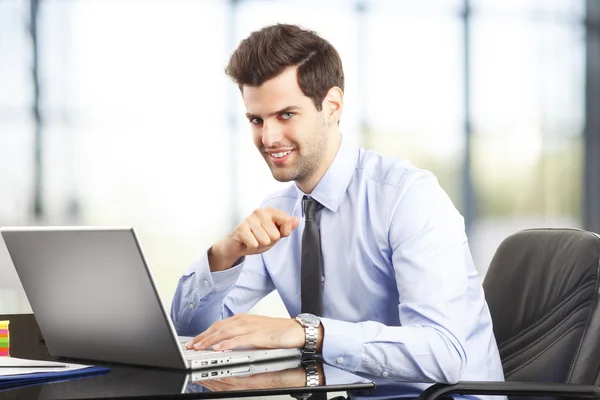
<point>187,351</point>
<point>193,352</point>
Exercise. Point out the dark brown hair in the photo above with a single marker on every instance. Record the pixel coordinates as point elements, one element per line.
<point>267,52</point>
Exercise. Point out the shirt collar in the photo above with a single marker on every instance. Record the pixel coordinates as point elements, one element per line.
<point>332,186</point>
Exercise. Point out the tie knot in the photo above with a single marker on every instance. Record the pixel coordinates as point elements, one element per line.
<point>310,206</point>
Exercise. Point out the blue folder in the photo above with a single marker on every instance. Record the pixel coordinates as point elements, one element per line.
<point>10,381</point>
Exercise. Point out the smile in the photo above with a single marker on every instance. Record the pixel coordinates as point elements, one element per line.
<point>280,157</point>
<point>281,154</point>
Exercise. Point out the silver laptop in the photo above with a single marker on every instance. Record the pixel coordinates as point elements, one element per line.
<point>94,298</point>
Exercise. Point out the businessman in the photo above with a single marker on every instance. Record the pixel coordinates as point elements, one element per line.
<point>368,253</point>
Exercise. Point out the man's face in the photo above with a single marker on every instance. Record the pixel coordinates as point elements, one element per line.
<point>287,129</point>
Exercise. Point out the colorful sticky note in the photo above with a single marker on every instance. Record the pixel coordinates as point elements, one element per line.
<point>4,339</point>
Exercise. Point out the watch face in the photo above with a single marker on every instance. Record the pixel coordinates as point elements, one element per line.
<point>310,319</point>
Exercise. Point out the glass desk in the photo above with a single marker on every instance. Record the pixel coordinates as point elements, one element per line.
<point>282,377</point>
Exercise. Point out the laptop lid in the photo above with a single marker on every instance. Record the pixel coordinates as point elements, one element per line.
<point>93,295</point>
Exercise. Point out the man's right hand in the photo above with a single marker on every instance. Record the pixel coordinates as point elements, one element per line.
<point>256,234</point>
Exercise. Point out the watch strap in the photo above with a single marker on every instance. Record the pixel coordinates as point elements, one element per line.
<point>312,373</point>
<point>310,343</point>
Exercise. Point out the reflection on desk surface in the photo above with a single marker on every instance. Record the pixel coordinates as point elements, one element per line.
<point>273,377</point>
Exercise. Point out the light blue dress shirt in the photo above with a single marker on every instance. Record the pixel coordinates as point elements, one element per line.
<point>401,296</point>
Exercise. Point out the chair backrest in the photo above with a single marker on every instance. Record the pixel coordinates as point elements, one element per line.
<point>542,291</point>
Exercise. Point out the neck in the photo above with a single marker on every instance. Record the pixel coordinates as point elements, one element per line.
<point>308,185</point>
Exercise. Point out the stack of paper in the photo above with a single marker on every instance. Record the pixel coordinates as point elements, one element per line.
<point>19,371</point>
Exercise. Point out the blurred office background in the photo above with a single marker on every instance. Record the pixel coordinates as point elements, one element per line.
<point>119,113</point>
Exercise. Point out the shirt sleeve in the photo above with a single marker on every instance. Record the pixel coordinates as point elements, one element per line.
<point>429,250</point>
<point>202,297</point>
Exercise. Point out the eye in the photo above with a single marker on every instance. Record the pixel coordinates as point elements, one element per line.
<point>287,115</point>
<point>255,121</point>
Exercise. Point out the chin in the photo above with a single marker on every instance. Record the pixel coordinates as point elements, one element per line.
<point>283,177</point>
<point>282,174</point>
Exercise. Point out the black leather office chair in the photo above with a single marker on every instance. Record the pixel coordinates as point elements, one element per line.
<point>542,288</point>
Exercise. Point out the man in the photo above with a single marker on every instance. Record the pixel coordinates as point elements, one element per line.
<point>394,281</point>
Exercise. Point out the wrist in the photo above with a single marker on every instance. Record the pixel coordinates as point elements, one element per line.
<point>299,334</point>
<point>220,260</point>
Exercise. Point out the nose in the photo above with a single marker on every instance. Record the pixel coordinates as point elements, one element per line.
<point>272,133</point>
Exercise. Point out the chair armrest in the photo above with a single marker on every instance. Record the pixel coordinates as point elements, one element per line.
<point>512,388</point>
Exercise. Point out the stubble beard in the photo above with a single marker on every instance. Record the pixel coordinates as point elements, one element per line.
<point>306,163</point>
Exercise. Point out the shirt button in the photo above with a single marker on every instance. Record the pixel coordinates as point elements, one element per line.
<point>340,360</point>
<point>191,306</point>
<point>385,374</point>
<point>206,282</point>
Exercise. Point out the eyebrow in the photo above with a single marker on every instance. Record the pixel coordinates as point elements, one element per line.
<point>279,112</point>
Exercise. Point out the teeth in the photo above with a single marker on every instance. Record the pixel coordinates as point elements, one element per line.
<point>279,155</point>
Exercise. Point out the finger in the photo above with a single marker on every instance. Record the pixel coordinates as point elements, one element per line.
<point>229,381</point>
<point>279,217</point>
<point>286,228</point>
<point>190,345</point>
<point>199,341</point>
<point>214,386</point>
<point>216,326</point>
<point>295,222</point>
<point>260,225</point>
<point>245,236</point>
<point>268,224</point>
<point>211,329</point>
<point>221,381</point>
<point>262,237</point>
<point>225,333</point>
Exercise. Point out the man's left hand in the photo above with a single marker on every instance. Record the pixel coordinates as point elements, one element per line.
<point>251,330</point>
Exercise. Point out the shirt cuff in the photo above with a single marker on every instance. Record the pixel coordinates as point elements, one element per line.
<point>337,376</point>
<point>341,347</point>
<point>220,280</point>
<point>225,279</point>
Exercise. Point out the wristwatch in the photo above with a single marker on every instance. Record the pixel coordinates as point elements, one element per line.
<point>311,325</point>
<point>312,373</point>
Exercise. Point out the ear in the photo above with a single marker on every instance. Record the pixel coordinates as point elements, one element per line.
<point>333,104</point>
